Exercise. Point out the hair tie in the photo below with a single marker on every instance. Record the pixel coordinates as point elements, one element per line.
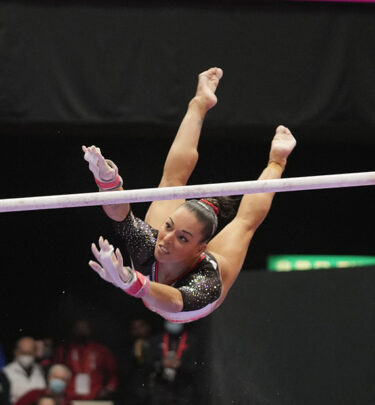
<point>213,206</point>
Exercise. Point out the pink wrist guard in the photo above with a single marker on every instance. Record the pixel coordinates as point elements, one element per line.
<point>109,185</point>
<point>139,286</point>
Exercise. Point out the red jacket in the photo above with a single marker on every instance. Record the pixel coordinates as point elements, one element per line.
<point>92,360</point>
<point>31,397</point>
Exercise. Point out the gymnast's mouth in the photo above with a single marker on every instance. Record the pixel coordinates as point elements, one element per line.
<point>163,250</point>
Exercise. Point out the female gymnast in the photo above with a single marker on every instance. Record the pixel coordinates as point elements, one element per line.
<point>179,268</point>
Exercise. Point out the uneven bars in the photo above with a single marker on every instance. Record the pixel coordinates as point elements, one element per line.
<point>195,191</point>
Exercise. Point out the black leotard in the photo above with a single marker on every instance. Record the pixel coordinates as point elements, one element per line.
<point>200,287</point>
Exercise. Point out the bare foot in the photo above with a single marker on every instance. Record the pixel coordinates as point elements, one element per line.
<point>282,145</point>
<point>207,84</point>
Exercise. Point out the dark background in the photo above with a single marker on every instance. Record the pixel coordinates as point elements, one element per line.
<point>119,75</point>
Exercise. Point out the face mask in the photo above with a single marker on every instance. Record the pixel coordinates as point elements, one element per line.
<point>56,385</point>
<point>173,328</point>
<point>26,360</point>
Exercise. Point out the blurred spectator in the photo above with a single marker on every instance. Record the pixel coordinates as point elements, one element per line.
<point>139,370</point>
<point>58,379</point>
<point>4,390</point>
<point>174,359</point>
<point>46,400</point>
<point>94,369</point>
<point>45,353</point>
<point>23,373</point>
<point>2,358</point>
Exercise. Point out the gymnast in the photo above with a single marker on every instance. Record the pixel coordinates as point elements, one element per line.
<point>179,267</point>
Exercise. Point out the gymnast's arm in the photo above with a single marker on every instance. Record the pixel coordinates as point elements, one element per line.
<point>117,212</point>
<point>107,178</point>
<point>163,297</point>
<point>202,288</point>
<point>110,267</point>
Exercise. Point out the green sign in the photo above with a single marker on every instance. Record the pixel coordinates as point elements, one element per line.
<point>315,262</point>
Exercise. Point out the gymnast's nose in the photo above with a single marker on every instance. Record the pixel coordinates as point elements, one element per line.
<point>168,238</point>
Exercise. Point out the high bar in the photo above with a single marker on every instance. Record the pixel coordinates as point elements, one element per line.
<point>193,191</point>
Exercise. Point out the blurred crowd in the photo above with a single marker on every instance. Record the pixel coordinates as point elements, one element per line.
<point>157,368</point>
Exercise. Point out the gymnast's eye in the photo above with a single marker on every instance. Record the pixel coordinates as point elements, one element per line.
<point>168,225</point>
<point>183,239</point>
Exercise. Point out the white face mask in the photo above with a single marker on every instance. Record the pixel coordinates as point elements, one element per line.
<point>26,360</point>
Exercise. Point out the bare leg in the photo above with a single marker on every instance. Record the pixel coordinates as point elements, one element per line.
<point>183,154</point>
<point>230,246</point>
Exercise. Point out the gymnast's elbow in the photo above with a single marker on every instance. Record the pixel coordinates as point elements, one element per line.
<point>171,306</point>
<point>176,302</point>
<point>176,306</point>
<point>164,298</point>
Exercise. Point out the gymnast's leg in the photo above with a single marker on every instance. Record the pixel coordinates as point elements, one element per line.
<point>183,154</point>
<point>230,246</point>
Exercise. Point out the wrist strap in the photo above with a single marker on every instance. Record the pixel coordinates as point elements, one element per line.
<point>138,286</point>
<point>110,185</point>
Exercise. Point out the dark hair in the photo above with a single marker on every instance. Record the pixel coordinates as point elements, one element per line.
<point>206,214</point>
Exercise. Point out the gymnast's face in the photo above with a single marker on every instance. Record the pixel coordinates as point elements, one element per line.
<point>180,238</point>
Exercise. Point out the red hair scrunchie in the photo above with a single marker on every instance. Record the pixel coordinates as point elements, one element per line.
<point>213,206</point>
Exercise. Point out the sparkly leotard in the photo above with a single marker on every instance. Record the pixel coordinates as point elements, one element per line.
<point>200,287</point>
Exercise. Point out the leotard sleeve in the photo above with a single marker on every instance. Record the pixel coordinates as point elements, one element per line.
<point>200,287</point>
<point>140,239</point>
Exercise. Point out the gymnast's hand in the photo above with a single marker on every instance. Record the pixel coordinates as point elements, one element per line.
<point>102,169</point>
<point>111,267</point>
<point>282,145</point>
